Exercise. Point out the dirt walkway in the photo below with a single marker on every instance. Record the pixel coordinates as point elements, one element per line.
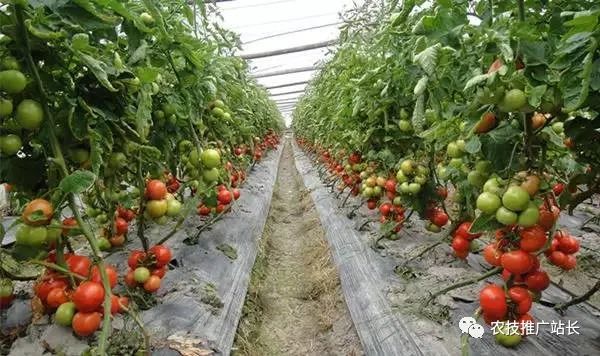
<point>294,304</point>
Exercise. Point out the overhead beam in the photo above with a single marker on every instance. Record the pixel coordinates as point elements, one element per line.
<point>288,92</point>
<point>286,71</point>
<point>291,32</point>
<point>287,85</point>
<point>279,52</point>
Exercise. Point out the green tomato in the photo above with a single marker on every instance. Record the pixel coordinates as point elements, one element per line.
<point>29,114</point>
<point>194,157</point>
<point>161,220</point>
<point>377,191</point>
<point>456,163</point>
<point>210,158</point>
<point>422,170</point>
<point>484,167</point>
<point>420,180</point>
<point>558,127</point>
<point>492,185</point>
<point>155,88</point>
<point>460,144</point>
<point>218,112</point>
<point>12,81</point>
<point>507,338</point>
<point>169,109</point>
<point>405,126</point>
<point>408,167</point>
<point>529,216</point>
<point>64,314</point>
<point>141,274</point>
<point>403,114</point>
<point>6,107</point>
<point>194,184</point>
<point>211,175</point>
<point>397,201</point>
<point>185,145</point>
<point>10,144</point>
<point>414,188</point>
<point>443,172</point>
<point>6,287</point>
<point>488,203</point>
<point>476,179</point>
<point>159,114</point>
<point>453,151</point>
<point>400,177</point>
<point>37,236</point>
<point>117,160</point>
<point>433,228</point>
<point>226,116</point>
<point>53,232</point>
<point>515,198</point>
<point>219,103</point>
<point>10,62</point>
<point>104,244</point>
<point>505,216</point>
<point>101,219</point>
<point>172,120</point>
<point>405,187</point>
<point>367,192</point>
<point>147,19</point>
<point>513,100</point>
<point>173,207</point>
<point>80,155</point>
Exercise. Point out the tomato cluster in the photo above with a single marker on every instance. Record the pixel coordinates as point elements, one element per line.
<point>146,269</point>
<point>160,203</point>
<point>78,302</point>
<point>38,231</point>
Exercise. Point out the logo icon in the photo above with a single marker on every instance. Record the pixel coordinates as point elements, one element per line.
<point>469,325</point>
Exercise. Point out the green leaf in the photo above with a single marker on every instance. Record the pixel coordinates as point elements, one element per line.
<point>421,86</point>
<point>98,68</point>
<point>428,58</point>
<point>484,223</point>
<point>476,80</point>
<point>147,75</point>
<point>77,182</point>
<point>473,145</point>
<point>535,94</point>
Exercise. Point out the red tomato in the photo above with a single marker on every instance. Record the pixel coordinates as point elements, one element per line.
<point>56,297</point>
<point>117,240</point>
<point>162,254</point>
<point>114,304</point>
<point>152,284</point>
<point>121,226</point>
<point>38,205</point>
<point>517,261</point>
<point>224,197</point>
<point>537,280</point>
<point>385,209</point>
<point>130,279</point>
<point>532,238</point>
<point>440,218</point>
<point>461,254</point>
<point>68,224</point>
<point>522,299</point>
<point>203,210</point>
<point>88,297</point>
<point>43,288</point>
<point>236,193</point>
<point>85,324</point>
<point>371,204</point>
<point>126,214</point>
<point>493,301</point>
<point>463,231</point>
<point>558,258</point>
<point>123,303</point>
<point>568,245</point>
<point>460,244</point>
<point>390,185</point>
<point>442,192</point>
<point>160,272</point>
<point>111,273</point>
<point>135,258</point>
<point>569,263</point>
<point>156,190</point>
<point>558,188</point>
<point>79,265</point>
<point>5,301</point>
<point>492,255</point>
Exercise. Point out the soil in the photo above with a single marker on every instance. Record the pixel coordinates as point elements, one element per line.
<point>294,304</point>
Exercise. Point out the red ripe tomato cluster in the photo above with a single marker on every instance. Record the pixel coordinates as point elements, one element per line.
<point>437,217</point>
<point>147,269</point>
<point>269,141</point>
<point>513,305</point>
<point>461,240</point>
<point>172,182</point>
<point>81,305</point>
<point>224,198</point>
<point>562,250</point>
